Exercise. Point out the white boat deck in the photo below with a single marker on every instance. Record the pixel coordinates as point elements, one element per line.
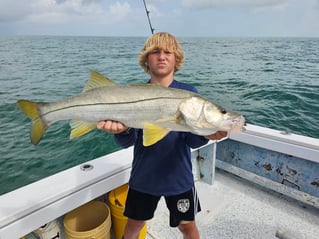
<point>235,208</point>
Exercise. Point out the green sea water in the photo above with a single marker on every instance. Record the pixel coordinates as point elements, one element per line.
<point>274,82</point>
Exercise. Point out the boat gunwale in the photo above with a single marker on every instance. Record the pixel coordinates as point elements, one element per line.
<point>27,208</point>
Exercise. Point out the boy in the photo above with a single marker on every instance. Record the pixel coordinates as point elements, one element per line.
<point>162,169</point>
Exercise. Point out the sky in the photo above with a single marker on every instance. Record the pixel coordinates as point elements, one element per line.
<point>193,18</point>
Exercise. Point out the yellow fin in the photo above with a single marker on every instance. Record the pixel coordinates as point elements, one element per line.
<point>38,126</point>
<point>153,133</point>
<point>80,128</point>
<point>97,80</point>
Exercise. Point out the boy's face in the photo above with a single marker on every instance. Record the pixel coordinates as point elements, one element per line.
<point>161,62</point>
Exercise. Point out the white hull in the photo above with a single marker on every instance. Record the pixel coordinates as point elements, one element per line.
<point>27,208</point>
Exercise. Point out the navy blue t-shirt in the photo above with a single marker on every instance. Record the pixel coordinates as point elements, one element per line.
<point>164,168</point>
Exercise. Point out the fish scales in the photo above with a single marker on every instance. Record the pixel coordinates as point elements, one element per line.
<point>117,103</point>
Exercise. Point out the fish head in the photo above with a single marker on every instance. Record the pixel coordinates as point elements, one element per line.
<point>204,117</point>
<point>223,119</point>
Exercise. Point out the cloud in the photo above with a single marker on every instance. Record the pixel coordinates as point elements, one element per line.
<point>127,17</point>
<point>155,1</point>
<point>307,23</point>
<point>66,17</point>
<point>204,4</point>
<point>53,11</point>
<point>316,4</point>
<point>14,10</point>
<point>119,11</point>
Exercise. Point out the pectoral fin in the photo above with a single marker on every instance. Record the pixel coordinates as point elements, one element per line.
<point>80,128</point>
<point>153,133</point>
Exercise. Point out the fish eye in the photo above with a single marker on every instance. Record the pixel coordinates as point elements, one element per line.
<point>223,111</point>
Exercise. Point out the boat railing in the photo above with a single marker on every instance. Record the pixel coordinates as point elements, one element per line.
<point>27,208</point>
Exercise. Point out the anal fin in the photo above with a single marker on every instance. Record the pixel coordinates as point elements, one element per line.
<point>80,128</point>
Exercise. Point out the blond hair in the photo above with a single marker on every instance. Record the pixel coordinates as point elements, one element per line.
<point>162,41</point>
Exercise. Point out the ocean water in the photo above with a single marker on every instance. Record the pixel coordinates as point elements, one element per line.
<point>274,82</point>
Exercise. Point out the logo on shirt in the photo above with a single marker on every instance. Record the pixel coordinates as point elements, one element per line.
<point>183,205</point>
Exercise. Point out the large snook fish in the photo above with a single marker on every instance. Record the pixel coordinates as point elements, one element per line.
<point>155,109</point>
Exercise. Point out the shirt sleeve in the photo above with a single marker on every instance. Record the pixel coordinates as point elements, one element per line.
<point>125,139</point>
<point>195,141</point>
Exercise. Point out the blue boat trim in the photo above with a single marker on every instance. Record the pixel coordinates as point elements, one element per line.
<point>294,172</point>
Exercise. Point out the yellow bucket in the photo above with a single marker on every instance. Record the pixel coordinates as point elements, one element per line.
<point>117,199</point>
<point>89,221</point>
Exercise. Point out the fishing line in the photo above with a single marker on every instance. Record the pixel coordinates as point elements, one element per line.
<point>148,17</point>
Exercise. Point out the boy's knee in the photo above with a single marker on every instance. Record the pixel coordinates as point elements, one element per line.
<point>189,229</point>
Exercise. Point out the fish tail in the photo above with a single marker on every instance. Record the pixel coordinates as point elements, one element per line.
<point>38,126</point>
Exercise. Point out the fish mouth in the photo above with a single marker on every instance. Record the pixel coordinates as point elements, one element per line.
<point>236,124</point>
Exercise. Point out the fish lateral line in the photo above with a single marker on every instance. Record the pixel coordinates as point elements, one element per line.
<point>105,103</point>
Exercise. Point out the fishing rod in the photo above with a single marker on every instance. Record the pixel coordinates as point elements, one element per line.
<point>148,17</point>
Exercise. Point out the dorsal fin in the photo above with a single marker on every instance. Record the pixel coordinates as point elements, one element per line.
<point>97,80</point>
